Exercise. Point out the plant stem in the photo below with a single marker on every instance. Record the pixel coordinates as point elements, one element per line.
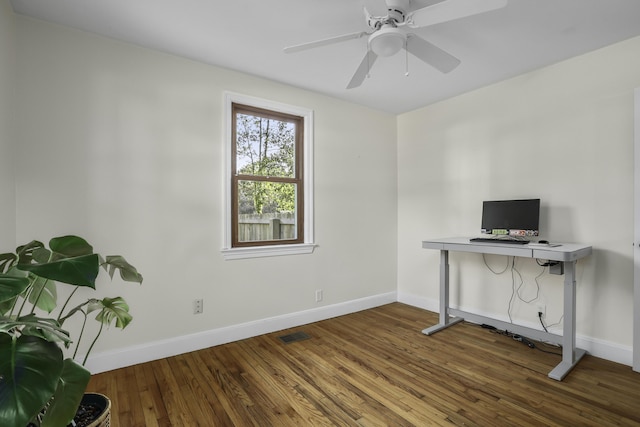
<point>65,305</point>
<point>92,344</point>
<point>15,303</point>
<point>84,322</point>
<point>24,301</point>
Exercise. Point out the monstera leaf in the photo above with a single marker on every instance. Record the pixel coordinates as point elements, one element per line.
<point>11,286</point>
<point>128,272</point>
<point>80,271</point>
<point>70,246</point>
<point>112,309</point>
<point>44,294</point>
<point>30,368</point>
<point>71,386</point>
<point>70,260</point>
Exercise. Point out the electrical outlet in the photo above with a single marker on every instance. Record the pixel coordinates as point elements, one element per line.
<point>318,295</point>
<point>198,306</point>
<point>542,309</point>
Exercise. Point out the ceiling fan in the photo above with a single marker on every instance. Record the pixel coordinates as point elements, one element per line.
<point>387,20</point>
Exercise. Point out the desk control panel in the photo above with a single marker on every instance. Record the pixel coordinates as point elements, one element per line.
<point>500,241</point>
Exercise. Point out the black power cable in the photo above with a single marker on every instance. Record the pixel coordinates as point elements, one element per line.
<point>547,263</point>
<point>526,341</point>
<point>542,322</point>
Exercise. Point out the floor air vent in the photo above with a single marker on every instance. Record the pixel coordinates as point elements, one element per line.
<point>293,337</point>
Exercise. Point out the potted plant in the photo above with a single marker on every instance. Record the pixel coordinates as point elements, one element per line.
<point>38,383</point>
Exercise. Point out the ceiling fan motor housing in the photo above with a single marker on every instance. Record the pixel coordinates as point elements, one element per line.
<point>398,10</point>
<point>396,14</point>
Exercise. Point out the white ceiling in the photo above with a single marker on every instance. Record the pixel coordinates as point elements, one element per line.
<point>249,35</point>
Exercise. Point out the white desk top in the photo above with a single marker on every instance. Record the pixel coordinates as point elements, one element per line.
<point>563,252</point>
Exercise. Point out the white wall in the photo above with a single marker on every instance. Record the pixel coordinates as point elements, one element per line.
<point>7,83</point>
<point>563,133</point>
<point>123,145</point>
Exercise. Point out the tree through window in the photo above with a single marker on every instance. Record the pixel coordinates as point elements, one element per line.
<point>267,177</point>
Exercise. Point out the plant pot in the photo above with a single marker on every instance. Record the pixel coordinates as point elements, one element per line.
<point>94,411</point>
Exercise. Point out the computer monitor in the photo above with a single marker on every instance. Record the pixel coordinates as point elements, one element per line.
<point>515,218</point>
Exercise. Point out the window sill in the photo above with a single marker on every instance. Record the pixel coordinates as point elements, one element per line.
<point>267,251</point>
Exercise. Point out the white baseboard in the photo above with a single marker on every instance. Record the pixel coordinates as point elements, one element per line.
<point>109,360</point>
<point>596,347</point>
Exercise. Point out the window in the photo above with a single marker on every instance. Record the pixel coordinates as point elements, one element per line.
<point>267,192</point>
<point>268,179</point>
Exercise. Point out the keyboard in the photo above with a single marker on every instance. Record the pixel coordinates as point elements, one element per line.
<point>494,240</point>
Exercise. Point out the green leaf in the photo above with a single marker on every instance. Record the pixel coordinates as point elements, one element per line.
<point>6,261</point>
<point>11,286</point>
<point>45,292</point>
<point>81,271</point>
<point>6,306</point>
<point>128,272</point>
<point>25,252</point>
<point>111,309</point>
<point>70,246</point>
<point>41,255</point>
<point>29,371</point>
<point>48,329</point>
<point>66,400</point>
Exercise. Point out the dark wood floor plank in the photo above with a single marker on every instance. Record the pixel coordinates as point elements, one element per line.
<point>372,368</point>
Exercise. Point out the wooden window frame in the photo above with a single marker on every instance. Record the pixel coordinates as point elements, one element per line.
<point>297,180</point>
<point>305,210</point>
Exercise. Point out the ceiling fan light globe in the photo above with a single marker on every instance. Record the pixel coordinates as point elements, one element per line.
<point>386,42</point>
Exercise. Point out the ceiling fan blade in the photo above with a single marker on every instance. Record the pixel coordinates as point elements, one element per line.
<point>324,42</point>
<point>363,69</point>
<point>431,54</point>
<point>452,9</point>
<point>376,7</point>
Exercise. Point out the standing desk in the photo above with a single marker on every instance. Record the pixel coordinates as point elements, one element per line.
<point>567,254</point>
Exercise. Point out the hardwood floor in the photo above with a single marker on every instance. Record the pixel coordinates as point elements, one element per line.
<point>372,368</point>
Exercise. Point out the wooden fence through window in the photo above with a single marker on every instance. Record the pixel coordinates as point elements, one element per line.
<point>270,226</point>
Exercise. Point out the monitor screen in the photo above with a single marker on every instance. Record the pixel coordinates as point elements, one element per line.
<point>511,217</point>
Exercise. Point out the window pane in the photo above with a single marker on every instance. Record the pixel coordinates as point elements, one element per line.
<point>266,211</point>
<point>264,147</point>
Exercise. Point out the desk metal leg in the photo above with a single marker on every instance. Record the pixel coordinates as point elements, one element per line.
<point>445,320</point>
<point>570,354</point>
